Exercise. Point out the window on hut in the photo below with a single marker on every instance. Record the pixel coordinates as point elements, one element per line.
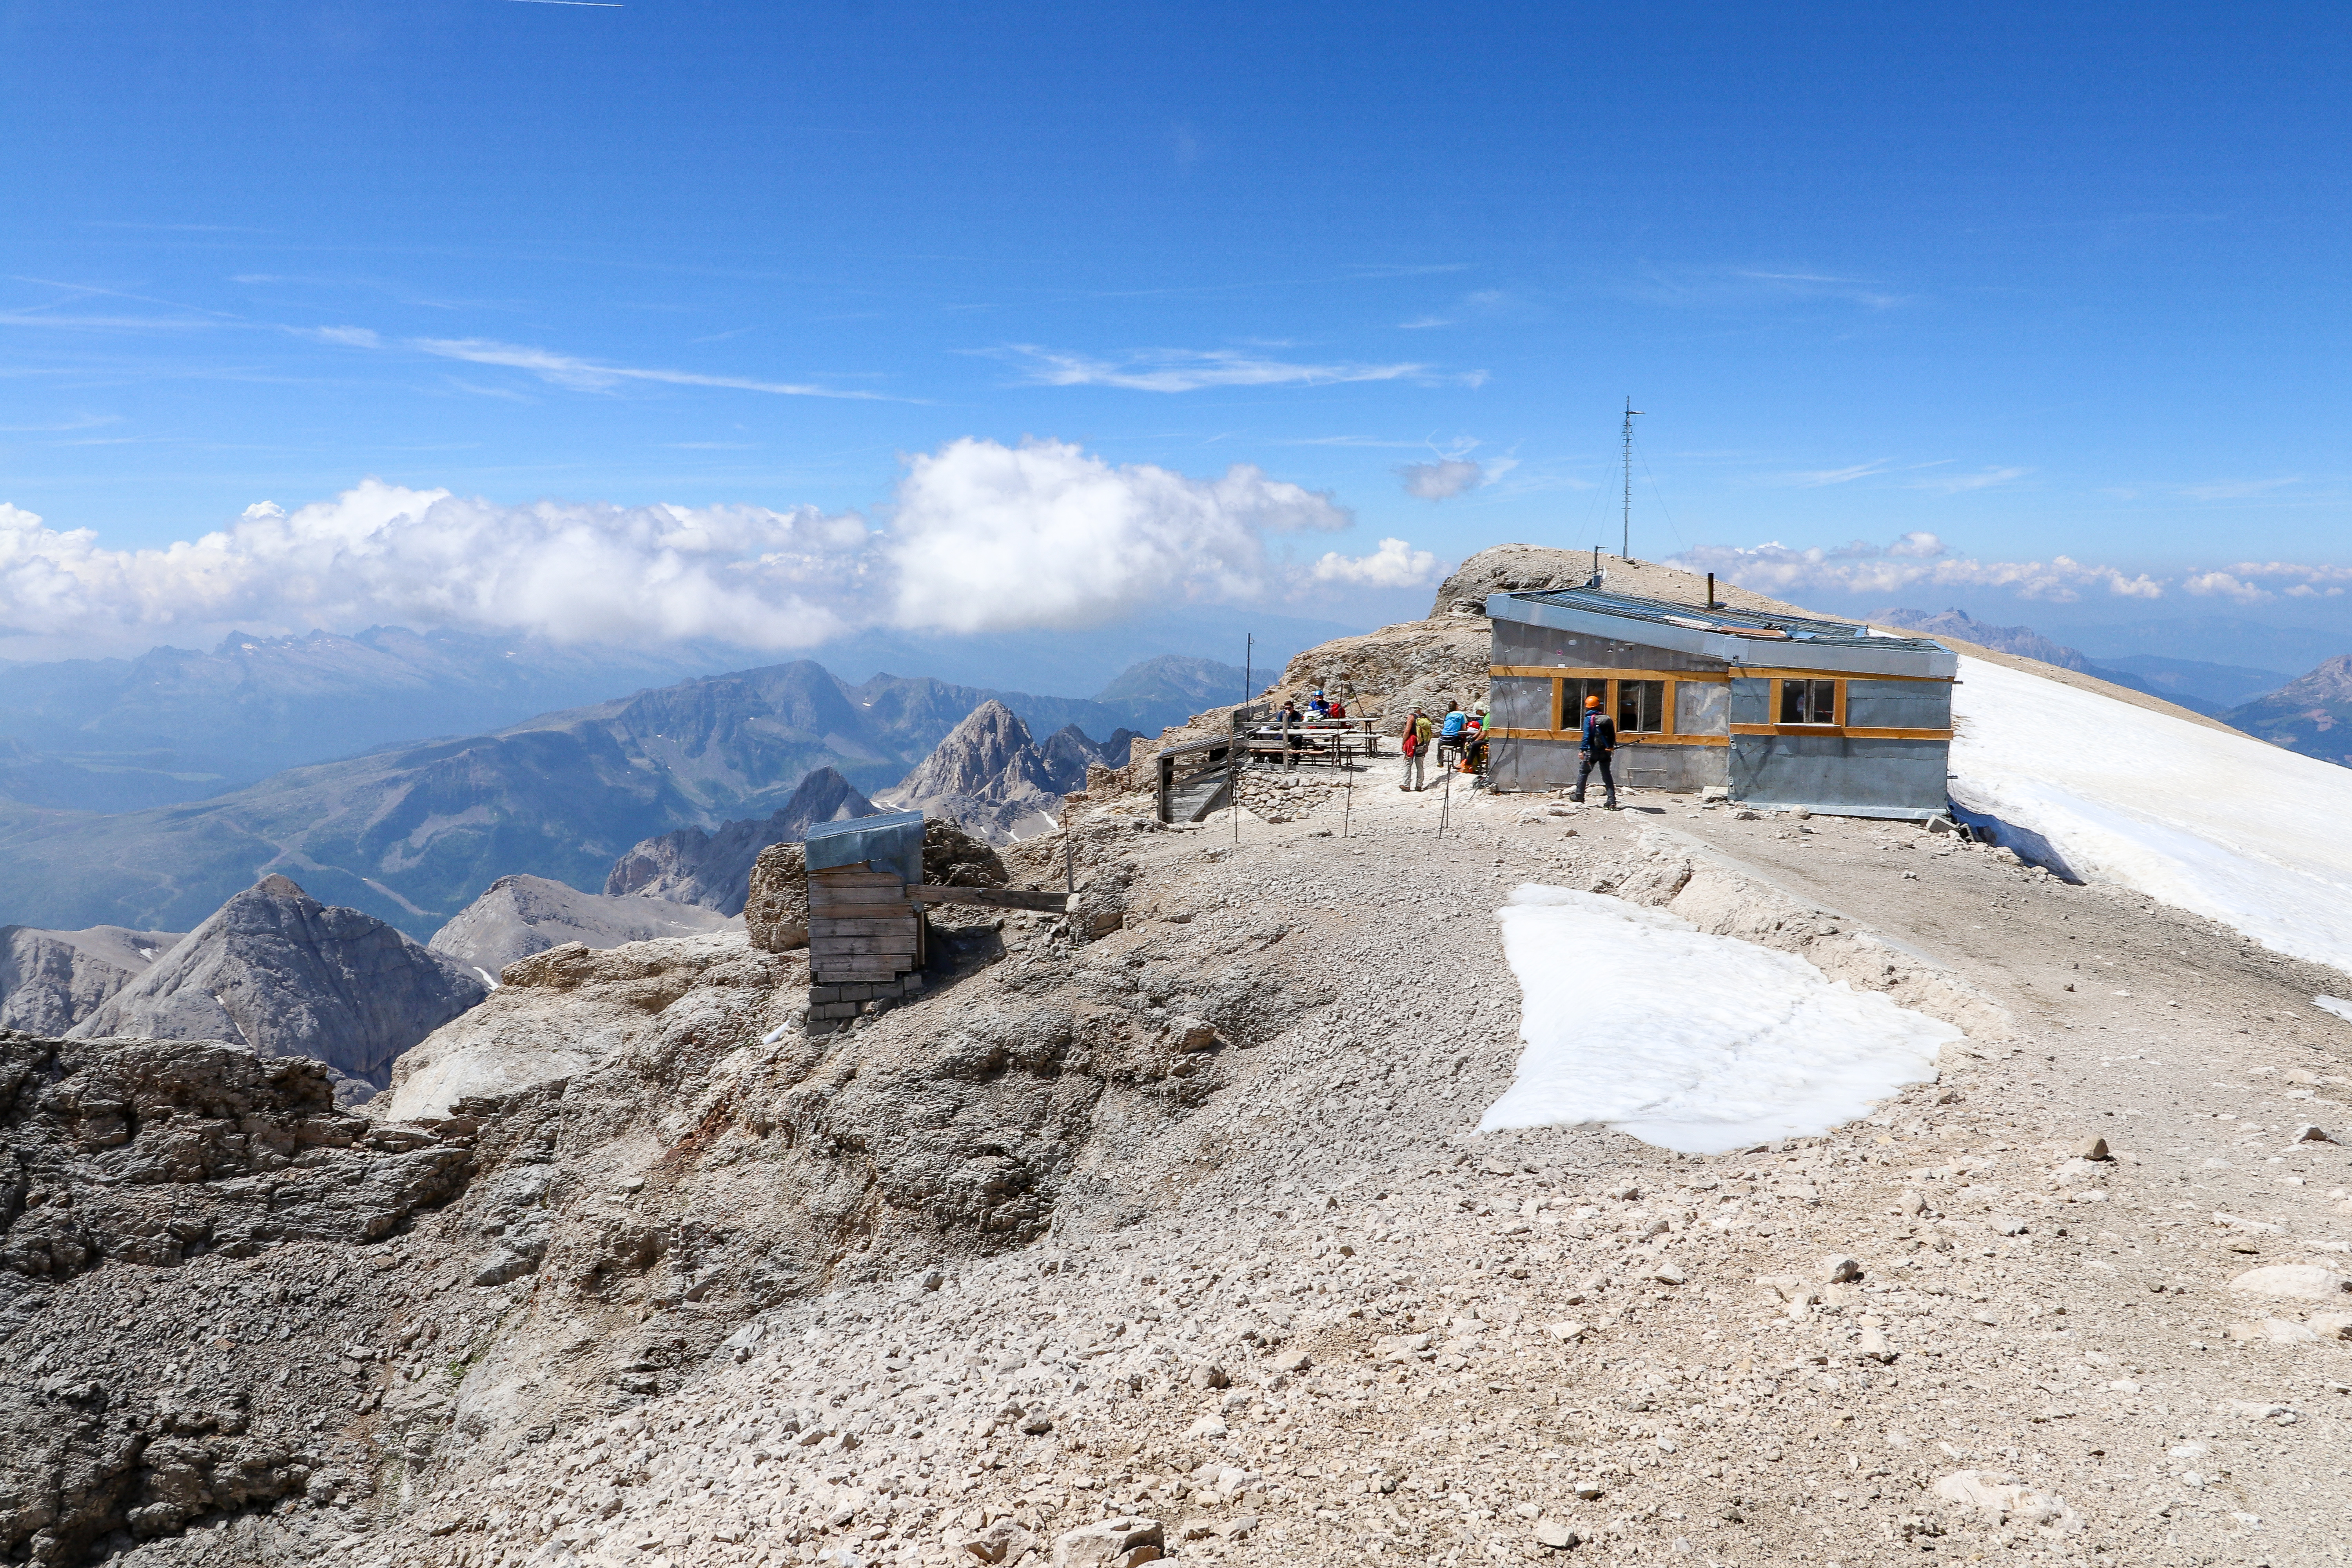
<point>1571,700</point>
<point>1809,702</point>
<point>1641,706</point>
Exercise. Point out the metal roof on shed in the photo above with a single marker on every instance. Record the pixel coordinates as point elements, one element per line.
<point>1721,633</point>
<point>893,840</point>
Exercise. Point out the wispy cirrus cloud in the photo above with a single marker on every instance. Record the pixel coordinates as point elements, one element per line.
<point>577,375</point>
<point>1733,287</point>
<point>1191,370</point>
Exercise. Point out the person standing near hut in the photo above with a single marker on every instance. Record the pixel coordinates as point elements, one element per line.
<point>1415,737</point>
<point>1596,740</point>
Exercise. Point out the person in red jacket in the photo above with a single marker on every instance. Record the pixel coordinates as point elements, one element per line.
<point>1596,740</point>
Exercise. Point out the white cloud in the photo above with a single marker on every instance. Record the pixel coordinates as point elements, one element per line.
<point>987,537</point>
<point>1913,560</point>
<point>378,552</point>
<point>1395,564</point>
<point>980,536</point>
<point>1187,369</point>
<point>589,376</point>
<point>2206,584</point>
<point>1442,480</point>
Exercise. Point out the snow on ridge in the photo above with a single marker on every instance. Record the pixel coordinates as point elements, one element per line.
<point>2216,823</point>
<point>1636,1018</point>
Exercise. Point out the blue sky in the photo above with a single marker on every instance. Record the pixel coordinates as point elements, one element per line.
<point>2037,284</point>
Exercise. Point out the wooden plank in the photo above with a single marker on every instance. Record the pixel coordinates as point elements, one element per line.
<point>849,971</point>
<point>847,877</point>
<point>1850,731</point>
<point>1595,672</point>
<point>877,946</point>
<point>992,898</point>
<point>820,893</point>
<point>828,925</point>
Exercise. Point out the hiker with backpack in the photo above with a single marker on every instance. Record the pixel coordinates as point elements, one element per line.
<point>1596,740</point>
<point>1416,734</point>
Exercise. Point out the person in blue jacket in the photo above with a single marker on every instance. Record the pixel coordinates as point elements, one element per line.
<point>1596,740</point>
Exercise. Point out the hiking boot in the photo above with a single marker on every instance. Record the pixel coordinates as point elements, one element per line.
<point>1578,797</point>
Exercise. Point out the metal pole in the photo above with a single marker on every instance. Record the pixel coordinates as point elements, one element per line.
<point>1249,650</point>
<point>1347,811</point>
<point>1444,800</point>
<point>1626,547</point>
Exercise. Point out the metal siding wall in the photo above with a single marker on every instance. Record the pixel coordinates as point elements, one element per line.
<point>1830,769</point>
<point>1899,704</point>
<point>1528,766</point>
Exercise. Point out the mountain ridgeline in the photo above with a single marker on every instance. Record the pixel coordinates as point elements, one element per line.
<point>412,832</point>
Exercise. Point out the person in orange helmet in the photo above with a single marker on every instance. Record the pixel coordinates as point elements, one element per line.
<point>1596,740</point>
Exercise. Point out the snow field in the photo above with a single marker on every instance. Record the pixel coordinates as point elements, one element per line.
<point>1635,1018</point>
<point>2221,824</point>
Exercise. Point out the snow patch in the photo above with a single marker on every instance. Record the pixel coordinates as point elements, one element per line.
<point>2336,1004</point>
<point>2212,821</point>
<point>1699,1043</point>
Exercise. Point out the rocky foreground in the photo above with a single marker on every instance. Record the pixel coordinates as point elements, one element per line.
<point>1160,1231</point>
<point>1175,1242</point>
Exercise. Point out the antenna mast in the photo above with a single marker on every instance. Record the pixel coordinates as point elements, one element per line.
<point>1626,547</point>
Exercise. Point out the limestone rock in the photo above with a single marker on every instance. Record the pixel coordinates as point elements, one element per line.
<point>561,1012</point>
<point>2301,1281</point>
<point>52,980</point>
<point>284,975</point>
<point>518,916</point>
<point>775,914</point>
<point>1110,1543</point>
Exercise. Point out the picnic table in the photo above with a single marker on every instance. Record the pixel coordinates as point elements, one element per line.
<point>1317,740</point>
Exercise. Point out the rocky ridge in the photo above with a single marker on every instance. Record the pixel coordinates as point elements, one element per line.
<point>278,972</point>
<point>988,777</point>
<point>52,980</point>
<point>518,916</point>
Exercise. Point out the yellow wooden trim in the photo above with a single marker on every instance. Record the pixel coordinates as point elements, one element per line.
<point>1759,672</point>
<point>1580,672</point>
<point>1647,738</point>
<point>1737,672</point>
<point>1851,731</point>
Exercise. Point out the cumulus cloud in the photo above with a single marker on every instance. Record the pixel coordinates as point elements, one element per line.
<point>568,571</point>
<point>1441,480</point>
<point>1395,564</point>
<point>979,537</point>
<point>1188,370</point>
<point>1913,560</point>
<point>988,537</point>
<point>2244,581</point>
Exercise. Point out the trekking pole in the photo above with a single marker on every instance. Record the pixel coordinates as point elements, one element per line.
<point>1445,800</point>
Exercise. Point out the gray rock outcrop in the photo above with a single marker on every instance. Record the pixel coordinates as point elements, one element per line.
<point>988,777</point>
<point>52,980</point>
<point>776,912</point>
<point>278,972</point>
<point>218,1201</point>
<point>518,916</point>
<point>713,868</point>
